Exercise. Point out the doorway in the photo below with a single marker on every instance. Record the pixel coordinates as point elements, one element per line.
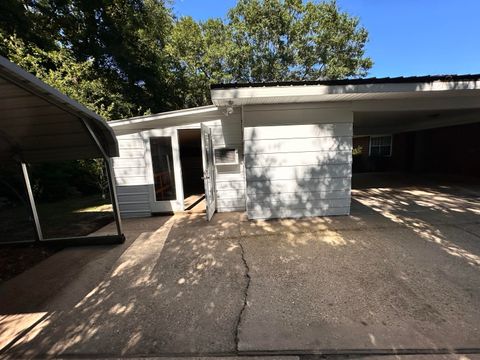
<point>190,146</point>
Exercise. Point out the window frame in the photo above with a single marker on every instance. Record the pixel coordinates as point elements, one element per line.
<point>171,165</point>
<point>380,136</point>
<point>235,162</point>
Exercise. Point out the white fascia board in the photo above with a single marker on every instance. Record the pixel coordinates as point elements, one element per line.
<point>201,110</point>
<point>277,94</point>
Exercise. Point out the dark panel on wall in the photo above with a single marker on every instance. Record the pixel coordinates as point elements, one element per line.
<point>450,150</point>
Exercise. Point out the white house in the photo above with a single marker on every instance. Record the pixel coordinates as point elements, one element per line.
<point>278,149</point>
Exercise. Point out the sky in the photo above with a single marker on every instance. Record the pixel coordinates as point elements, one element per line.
<point>407,37</point>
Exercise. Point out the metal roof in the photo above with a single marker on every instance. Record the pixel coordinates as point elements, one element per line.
<point>350,90</point>
<point>360,81</point>
<point>38,123</point>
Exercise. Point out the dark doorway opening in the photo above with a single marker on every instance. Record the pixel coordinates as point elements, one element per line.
<point>190,145</point>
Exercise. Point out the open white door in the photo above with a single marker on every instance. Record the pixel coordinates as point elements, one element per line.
<point>208,171</point>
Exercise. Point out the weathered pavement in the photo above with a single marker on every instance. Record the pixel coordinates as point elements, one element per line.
<point>401,274</point>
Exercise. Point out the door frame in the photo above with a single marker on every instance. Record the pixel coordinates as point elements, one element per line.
<point>209,171</point>
<point>179,203</point>
<point>168,205</point>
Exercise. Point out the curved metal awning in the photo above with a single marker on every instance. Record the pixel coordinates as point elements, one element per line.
<point>38,123</point>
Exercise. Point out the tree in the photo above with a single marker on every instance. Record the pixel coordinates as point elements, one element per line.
<point>106,54</point>
<point>201,50</point>
<point>78,80</point>
<point>140,59</point>
<point>122,40</point>
<point>292,40</point>
<point>271,40</point>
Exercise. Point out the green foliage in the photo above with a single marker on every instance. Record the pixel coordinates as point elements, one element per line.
<point>56,181</point>
<point>292,40</point>
<point>12,186</point>
<point>77,80</point>
<point>202,51</point>
<point>270,40</point>
<point>124,58</point>
<point>117,45</point>
<point>358,150</point>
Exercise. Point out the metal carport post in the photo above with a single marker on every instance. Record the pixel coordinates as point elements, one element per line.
<point>111,180</point>
<point>79,240</point>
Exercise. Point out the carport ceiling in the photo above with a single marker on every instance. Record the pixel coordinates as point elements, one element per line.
<point>382,122</point>
<point>38,123</point>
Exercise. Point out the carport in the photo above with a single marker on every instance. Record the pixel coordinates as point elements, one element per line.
<point>420,131</point>
<point>40,124</point>
<point>299,136</point>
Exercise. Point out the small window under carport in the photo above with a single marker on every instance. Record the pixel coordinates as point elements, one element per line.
<point>41,125</point>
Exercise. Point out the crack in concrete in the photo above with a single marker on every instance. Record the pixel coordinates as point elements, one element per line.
<point>245,295</point>
<point>467,231</point>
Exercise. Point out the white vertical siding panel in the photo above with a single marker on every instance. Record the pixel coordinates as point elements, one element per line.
<point>230,179</point>
<point>299,131</point>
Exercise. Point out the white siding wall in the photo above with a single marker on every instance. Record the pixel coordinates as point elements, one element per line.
<point>297,161</point>
<point>133,167</point>
<point>230,179</point>
<point>131,176</point>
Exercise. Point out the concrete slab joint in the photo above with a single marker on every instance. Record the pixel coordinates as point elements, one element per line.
<point>245,296</point>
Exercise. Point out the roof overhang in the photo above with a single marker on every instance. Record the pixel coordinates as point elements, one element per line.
<point>342,91</point>
<point>38,123</point>
<point>167,119</point>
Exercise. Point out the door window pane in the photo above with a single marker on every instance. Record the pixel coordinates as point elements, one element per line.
<point>163,173</point>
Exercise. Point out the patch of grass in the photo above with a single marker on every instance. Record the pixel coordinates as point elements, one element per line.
<point>76,216</point>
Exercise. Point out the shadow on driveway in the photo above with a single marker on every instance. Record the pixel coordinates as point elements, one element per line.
<point>402,272</point>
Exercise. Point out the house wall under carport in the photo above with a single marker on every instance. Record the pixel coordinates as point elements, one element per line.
<point>450,150</point>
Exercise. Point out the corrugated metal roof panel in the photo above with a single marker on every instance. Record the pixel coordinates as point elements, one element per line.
<point>38,123</point>
<point>357,81</point>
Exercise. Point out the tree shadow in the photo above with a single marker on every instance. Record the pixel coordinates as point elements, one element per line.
<point>429,211</point>
<point>169,291</point>
<point>295,180</point>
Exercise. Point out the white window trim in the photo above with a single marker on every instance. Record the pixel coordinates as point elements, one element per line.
<point>378,136</point>
<point>236,162</point>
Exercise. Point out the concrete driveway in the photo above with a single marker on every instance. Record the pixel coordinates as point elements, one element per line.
<point>401,274</point>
